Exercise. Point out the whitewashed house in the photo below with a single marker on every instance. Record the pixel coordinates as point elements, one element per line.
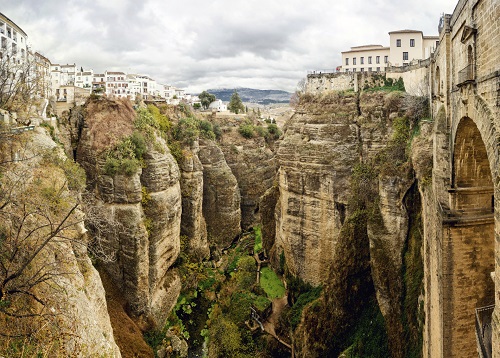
<point>218,106</point>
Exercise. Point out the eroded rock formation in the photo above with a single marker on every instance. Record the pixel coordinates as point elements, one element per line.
<point>221,196</point>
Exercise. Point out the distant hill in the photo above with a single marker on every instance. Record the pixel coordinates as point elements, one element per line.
<point>251,95</point>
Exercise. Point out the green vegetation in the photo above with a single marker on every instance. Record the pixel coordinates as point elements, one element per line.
<point>235,103</point>
<point>190,128</point>
<point>273,130</point>
<point>271,283</point>
<point>206,98</point>
<point>389,85</point>
<point>126,157</point>
<point>413,276</point>
<point>300,294</point>
<point>247,130</point>
<point>368,338</point>
<point>258,239</point>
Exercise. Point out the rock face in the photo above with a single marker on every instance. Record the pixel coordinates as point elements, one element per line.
<point>318,160</point>
<point>388,232</point>
<point>253,164</point>
<point>193,224</point>
<point>73,319</point>
<point>316,156</point>
<point>142,211</point>
<point>221,196</point>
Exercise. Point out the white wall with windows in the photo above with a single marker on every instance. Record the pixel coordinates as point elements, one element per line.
<point>13,40</point>
<point>405,47</point>
<point>370,58</point>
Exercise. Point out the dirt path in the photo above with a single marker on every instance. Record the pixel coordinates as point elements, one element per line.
<point>272,320</point>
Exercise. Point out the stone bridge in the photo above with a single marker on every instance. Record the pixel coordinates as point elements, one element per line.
<point>461,215</point>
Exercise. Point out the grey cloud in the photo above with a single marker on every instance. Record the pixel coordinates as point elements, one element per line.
<point>227,43</point>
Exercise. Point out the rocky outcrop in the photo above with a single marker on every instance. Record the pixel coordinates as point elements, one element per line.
<point>221,196</point>
<point>193,224</point>
<point>253,164</point>
<point>316,156</point>
<point>324,140</point>
<point>267,208</point>
<point>60,291</point>
<point>140,233</point>
<point>388,231</point>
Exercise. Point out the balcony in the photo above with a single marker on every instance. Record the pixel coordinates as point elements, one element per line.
<point>466,75</point>
<point>483,330</point>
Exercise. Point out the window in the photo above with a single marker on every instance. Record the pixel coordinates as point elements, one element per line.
<point>347,61</point>
<point>386,59</point>
<point>362,69</point>
<point>369,60</point>
<point>405,56</point>
<point>377,59</point>
<point>369,69</point>
<point>437,44</point>
<point>353,70</point>
<point>354,60</point>
<point>412,42</point>
<point>398,43</point>
<point>378,69</point>
<point>362,60</point>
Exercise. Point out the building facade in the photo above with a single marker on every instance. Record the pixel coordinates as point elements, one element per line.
<point>13,40</point>
<point>365,58</point>
<point>410,45</point>
<point>406,47</point>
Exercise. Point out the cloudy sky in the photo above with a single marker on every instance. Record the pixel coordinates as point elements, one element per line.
<point>193,44</point>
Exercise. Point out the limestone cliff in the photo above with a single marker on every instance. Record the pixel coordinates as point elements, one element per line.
<point>193,224</point>
<point>61,292</point>
<point>142,207</point>
<point>316,156</point>
<point>221,196</point>
<point>344,174</point>
<point>253,164</point>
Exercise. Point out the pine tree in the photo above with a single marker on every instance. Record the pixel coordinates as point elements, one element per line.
<point>235,104</point>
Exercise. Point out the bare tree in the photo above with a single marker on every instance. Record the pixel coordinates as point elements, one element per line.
<point>299,91</point>
<point>22,83</point>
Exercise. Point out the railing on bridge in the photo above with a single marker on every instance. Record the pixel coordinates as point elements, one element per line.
<point>466,75</point>
<point>483,330</point>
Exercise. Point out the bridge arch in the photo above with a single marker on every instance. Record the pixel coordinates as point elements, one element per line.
<point>469,251</point>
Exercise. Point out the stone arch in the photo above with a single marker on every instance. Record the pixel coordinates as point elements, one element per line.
<point>479,112</point>
<point>471,166</point>
<point>469,245</point>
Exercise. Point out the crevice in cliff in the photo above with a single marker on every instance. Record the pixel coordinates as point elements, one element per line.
<point>412,273</point>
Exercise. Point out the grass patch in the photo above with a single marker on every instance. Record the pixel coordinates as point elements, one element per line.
<point>271,283</point>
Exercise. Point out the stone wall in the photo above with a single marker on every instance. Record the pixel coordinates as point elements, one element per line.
<point>321,82</point>
<point>460,249</point>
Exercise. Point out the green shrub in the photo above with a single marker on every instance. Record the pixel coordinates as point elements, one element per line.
<point>274,131</point>
<point>126,157</point>
<point>246,130</point>
<point>176,151</point>
<point>303,300</point>
<point>261,131</point>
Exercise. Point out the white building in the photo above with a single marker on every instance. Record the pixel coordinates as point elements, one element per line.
<point>116,84</point>
<point>218,106</point>
<point>84,79</point>
<point>405,46</point>
<point>365,58</point>
<point>410,45</point>
<point>99,82</point>
<point>13,39</point>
